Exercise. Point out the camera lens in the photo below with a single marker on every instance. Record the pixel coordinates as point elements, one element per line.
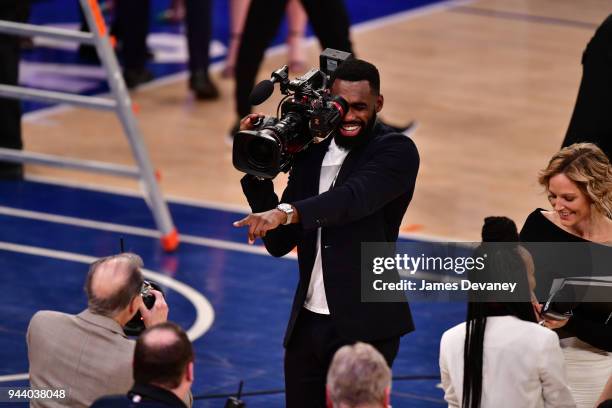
<point>260,153</point>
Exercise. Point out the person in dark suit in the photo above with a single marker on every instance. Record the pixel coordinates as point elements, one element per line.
<point>351,188</point>
<point>591,120</point>
<point>132,26</point>
<point>163,371</point>
<point>329,20</point>
<point>198,16</point>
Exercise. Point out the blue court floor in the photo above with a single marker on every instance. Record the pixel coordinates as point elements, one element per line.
<point>50,232</point>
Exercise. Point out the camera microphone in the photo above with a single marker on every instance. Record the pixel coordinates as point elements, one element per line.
<point>261,92</point>
<point>265,88</point>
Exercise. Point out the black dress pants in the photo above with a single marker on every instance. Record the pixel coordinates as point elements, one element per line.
<point>308,354</point>
<point>198,18</point>
<point>131,26</point>
<point>329,20</point>
<point>10,109</point>
<point>592,117</point>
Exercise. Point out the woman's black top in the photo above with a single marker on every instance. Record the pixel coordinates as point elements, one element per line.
<point>588,322</point>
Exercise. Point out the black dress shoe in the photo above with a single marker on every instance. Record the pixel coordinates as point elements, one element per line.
<point>202,86</point>
<point>135,77</point>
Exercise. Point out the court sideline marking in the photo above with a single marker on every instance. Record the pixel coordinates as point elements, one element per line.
<point>206,204</point>
<point>205,314</point>
<point>124,229</point>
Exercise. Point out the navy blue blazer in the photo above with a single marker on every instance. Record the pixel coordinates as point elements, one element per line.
<point>366,204</point>
<point>141,396</point>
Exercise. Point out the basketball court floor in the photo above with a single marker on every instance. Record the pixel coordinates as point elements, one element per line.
<point>490,83</point>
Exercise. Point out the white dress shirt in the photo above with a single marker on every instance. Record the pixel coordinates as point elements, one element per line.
<point>315,298</point>
<point>523,366</point>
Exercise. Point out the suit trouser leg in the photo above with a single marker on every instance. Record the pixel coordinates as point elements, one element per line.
<point>10,109</point>
<point>22,9</point>
<point>330,21</point>
<point>312,346</point>
<point>591,120</point>
<point>133,25</point>
<point>262,22</point>
<point>198,21</point>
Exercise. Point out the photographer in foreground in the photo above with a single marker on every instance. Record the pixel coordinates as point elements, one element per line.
<point>351,188</point>
<point>89,354</point>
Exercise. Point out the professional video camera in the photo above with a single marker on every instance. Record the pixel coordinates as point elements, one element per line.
<point>308,114</point>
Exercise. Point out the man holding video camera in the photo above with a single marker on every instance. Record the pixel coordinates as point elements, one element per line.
<point>351,188</point>
<point>88,354</point>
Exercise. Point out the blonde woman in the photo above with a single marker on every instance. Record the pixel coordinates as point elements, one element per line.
<point>578,181</point>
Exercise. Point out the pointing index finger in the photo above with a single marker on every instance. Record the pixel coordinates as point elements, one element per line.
<point>242,222</point>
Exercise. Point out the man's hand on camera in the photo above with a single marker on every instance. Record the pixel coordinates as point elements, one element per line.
<point>249,121</point>
<point>158,313</point>
<point>260,223</point>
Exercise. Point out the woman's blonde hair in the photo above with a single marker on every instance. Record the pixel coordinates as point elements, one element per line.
<point>586,165</point>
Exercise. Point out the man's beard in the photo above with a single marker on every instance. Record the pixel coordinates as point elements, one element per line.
<point>354,141</point>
